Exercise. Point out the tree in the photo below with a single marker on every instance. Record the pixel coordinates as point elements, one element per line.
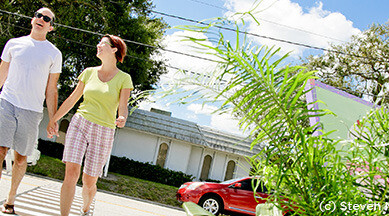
<point>129,19</point>
<point>361,66</point>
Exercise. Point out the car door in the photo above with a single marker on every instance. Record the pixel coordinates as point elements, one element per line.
<point>242,199</point>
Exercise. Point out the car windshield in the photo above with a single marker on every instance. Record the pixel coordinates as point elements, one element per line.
<point>231,180</point>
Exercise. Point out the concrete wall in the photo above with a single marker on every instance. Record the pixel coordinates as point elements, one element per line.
<point>178,156</point>
<point>195,161</point>
<point>242,167</point>
<point>135,145</point>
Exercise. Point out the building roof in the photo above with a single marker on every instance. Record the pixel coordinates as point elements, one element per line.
<point>191,132</point>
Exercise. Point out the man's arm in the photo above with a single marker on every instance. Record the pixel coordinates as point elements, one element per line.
<point>52,94</point>
<point>4,67</point>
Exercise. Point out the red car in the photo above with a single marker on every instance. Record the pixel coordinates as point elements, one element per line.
<point>233,195</point>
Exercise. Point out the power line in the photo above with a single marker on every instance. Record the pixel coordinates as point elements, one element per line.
<point>269,21</point>
<point>242,32</point>
<point>249,33</point>
<point>208,4</point>
<point>261,36</point>
<point>179,69</point>
<point>129,41</point>
<point>126,40</point>
<point>92,46</point>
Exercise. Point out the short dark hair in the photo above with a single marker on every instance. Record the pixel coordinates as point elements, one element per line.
<point>117,42</point>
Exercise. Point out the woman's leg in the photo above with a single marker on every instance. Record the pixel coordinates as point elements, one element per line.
<point>89,189</point>
<point>68,189</point>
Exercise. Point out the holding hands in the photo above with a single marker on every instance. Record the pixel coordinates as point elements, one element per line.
<point>52,129</point>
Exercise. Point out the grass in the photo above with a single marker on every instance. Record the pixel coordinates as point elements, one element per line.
<point>126,185</point>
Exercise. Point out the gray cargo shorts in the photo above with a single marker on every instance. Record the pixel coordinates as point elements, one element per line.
<point>18,128</point>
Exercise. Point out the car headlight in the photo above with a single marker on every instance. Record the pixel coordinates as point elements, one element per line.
<point>183,186</point>
<point>195,185</point>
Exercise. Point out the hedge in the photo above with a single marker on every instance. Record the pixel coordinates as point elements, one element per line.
<point>148,171</point>
<point>125,166</point>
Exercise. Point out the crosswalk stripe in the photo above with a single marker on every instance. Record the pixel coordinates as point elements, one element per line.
<point>44,201</point>
<point>44,192</point>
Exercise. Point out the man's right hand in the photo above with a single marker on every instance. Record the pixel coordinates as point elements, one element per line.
<point>52,129</point>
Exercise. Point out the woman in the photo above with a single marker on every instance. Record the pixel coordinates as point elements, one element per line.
<point>106,90</point>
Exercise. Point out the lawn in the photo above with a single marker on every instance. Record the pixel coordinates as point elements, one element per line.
<point>54,168</point>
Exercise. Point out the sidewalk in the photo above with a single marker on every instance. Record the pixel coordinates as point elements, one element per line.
<point>40,196</point>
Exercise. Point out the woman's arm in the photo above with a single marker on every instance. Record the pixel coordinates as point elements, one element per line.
<point>123,109</point>
<point>66,106</point>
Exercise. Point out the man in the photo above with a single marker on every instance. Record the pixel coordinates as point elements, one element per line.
<point>29,72</point>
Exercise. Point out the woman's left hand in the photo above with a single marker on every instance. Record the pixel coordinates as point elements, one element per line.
<point>120,121</point>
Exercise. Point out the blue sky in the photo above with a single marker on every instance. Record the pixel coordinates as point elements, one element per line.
<point>327,21</point>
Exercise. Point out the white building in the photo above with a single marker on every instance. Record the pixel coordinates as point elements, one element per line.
<point>156,137</point>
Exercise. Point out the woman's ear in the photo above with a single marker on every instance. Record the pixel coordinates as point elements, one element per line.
<point>114,50</point>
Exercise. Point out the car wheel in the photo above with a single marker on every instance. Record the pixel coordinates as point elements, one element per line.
<point>212,204</point>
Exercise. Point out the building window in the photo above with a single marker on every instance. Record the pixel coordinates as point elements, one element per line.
<point>206,167</point>
<point>63,127</point>
<point>162,153</point>
<point>230,170</point>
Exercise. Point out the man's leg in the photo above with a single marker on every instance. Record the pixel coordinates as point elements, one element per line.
<point>18,171</point>
<point>89,189</point>
<point>7,129</point>
<point>3,153</point>
<point>68,189</point>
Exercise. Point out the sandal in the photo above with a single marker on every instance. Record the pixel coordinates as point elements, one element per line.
<point>82,213</point>
<point>8,209</point>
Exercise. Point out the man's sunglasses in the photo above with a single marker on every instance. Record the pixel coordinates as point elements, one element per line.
<point>45,18</point>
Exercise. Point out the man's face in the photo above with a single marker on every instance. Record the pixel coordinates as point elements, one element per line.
<point>39,24</point>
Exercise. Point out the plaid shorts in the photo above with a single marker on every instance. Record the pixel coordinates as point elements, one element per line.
<point>90,139</point>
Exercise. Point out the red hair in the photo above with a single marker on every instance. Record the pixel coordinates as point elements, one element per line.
<point>117,42</point>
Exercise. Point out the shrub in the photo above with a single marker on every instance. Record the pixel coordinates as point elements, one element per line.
<point>148,171</point>
<point>50,148</point>
<point>125,166</point>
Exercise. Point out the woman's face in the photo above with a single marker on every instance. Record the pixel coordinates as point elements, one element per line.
<point>105,48</point>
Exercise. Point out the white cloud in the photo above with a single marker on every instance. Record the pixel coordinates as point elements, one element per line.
<point>225,122</point>
<point>275,16</point>
<point>153,102</point>
<point>177,42</point>
<point>192,117</point>
<point>201,109</point>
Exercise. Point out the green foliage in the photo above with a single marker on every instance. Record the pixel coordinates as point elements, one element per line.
<point>148,171</point>
<point>307,174</point>
<point>125,166</point>
<point>128,19</point>
<point>51,149</point>
<point>367,73</point>
<point>370,150</point>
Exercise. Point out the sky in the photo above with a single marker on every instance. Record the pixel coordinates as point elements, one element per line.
<point>315,23</point>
